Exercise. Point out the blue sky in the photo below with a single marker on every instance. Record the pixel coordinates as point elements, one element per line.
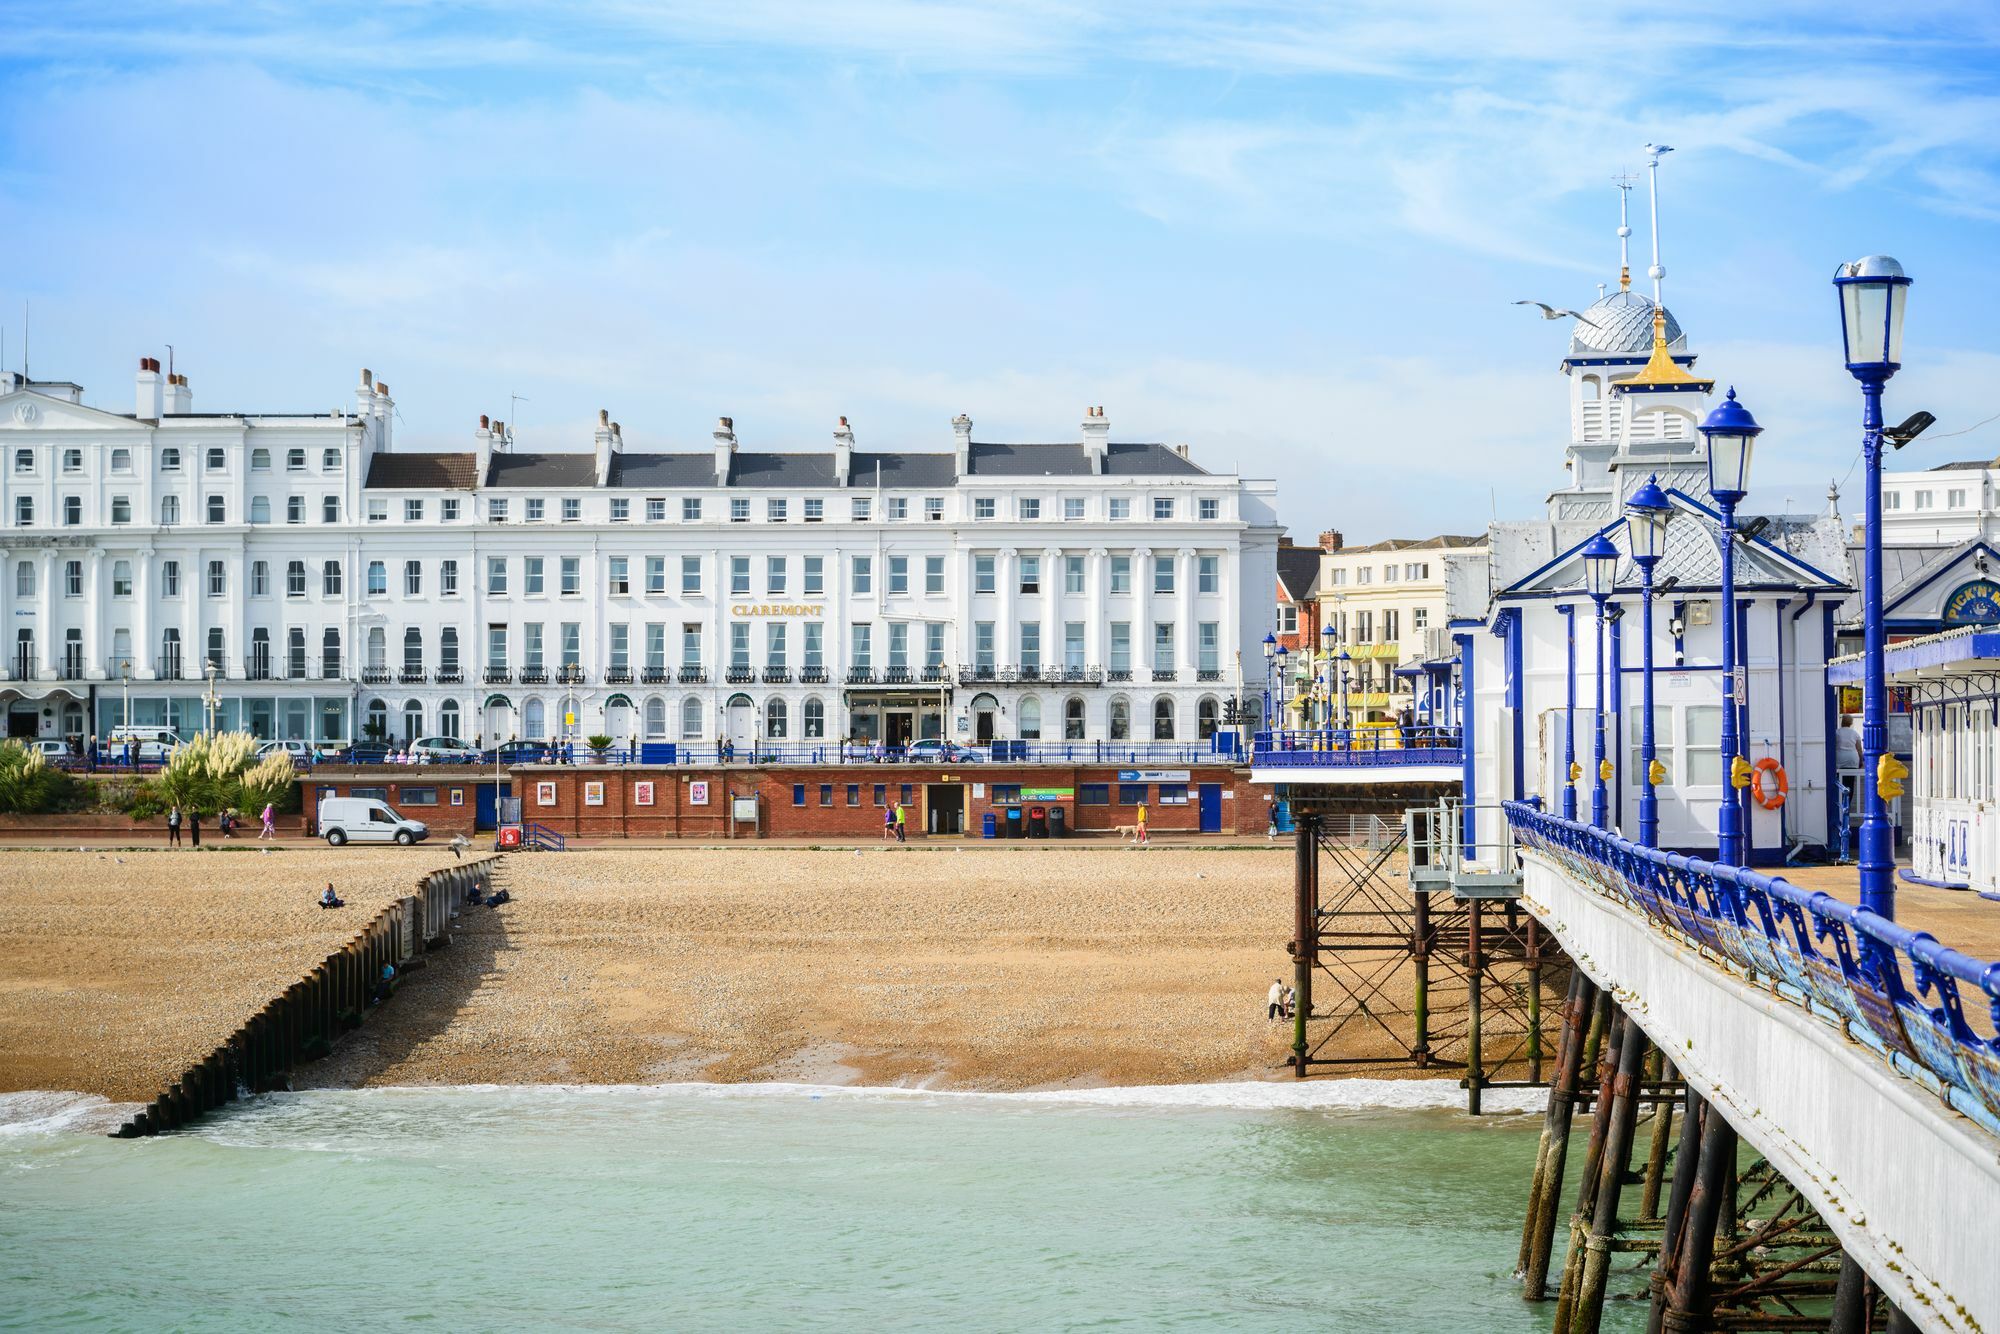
<point>1285,234</point>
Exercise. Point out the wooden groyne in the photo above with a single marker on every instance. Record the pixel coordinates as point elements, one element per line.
<point>302,1022</point>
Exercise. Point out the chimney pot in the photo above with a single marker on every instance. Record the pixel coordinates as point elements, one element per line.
<point>726,423</point>
<point>484,424</point>
<point>382,388</point>
<point>367,376</point>
<point>1331,541</point>
<point>843,421</point>
<point>617,430</point>
<point>499,428</point>
<point>604,416</point>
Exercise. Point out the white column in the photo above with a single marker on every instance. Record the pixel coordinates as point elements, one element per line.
<point>1054,602</point>
<point>1007,584</point>
<point>95,600</point>
<point>1231,621</point>
<point>1142,628</point>
<point>1184,650</point>
<point>45,650</point>
<point>142,613</point>
<point>7,612</point>
<point>1097,573</point>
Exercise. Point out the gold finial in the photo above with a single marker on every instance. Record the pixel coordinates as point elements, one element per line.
<point>1661,372</point>
<point>1624,277</point>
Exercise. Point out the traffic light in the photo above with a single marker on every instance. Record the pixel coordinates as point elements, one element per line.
<point>1889,775</point>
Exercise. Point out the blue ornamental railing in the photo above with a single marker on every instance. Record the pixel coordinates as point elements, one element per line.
<point>1360,747</point>
<point>1890,988</point>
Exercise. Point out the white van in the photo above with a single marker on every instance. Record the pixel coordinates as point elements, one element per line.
<point>366,820</point>
<point>152,745</point>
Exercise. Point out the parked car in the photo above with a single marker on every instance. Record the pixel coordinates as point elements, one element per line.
<point>344,820</point>
<point>934,750</point>
<point>520,752</point>
<point>301,752</point>
<point>443,750</point>
<point>51,750</point>
<point>367,752</point>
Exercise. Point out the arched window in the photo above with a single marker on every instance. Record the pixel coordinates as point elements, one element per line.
<point>260,459</point>
<point>170,511</point>
<point>691,718</point>
<point>656,719</point>
<point>378,720</point>
<point>1121,719</point>
<point>1205,718</point>
<point>1592,389</point>
<point>413,719</point>
<point>815,718</point>
<point>1163,719</point>
<point>1073,718</point>
<point>774,718</point>
<point>260,509</point>
<point>1030,719</point>
<point>535,720</point>
<point>448,718</point>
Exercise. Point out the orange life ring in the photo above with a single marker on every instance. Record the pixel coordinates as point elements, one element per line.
<point>1769,801</point>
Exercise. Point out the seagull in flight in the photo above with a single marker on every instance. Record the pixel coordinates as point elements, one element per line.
<point>1551,313</point>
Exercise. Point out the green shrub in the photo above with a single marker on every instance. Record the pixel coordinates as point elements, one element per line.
<point>28,784</point>
<point>214,773</point>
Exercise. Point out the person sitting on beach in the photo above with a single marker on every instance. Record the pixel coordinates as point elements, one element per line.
<point>1275,1006</point>
<point>381,989</point>
<point>329,899</point>
<point>500,896</point>
<point>476,894</point>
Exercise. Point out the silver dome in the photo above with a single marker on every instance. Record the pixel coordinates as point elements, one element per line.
<point>1621,325</point>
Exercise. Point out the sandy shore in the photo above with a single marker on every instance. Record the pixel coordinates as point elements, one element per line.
<point>119,969</point>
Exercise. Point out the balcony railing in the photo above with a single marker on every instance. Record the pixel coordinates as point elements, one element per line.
<point>256,669</point>
<point>812,676</point>
<point>896,676</point>
<point>410,676</point>
<point>618,676</point>
<point>1356,747</point>
<point>1080,676</point>
<point>534,676</point>
<point>777,676</point>
<point>935,676</point>
<point>975,672</point>
<point>70,667</point>
<point>694,676</point>
<point>569,674</point>
<point>655,676</point>
<point>374,676</point>
<point>738,676</point>
<point>450,676</point>
<point>498,676</point>
<point>329,667</point>
<point>860,675</point>
<point>1118,674</point>
<point>1165,674</point>
<point>1208,674</point>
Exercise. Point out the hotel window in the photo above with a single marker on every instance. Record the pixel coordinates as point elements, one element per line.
<point>447,509</point>
<point>814,713</point>
<point>813,581</point>
<point>1208,574</point>
<point>329,510</point>
<point>24,579</point>
<point>1072,507</point>
<point>656,646</point>
<point>295,460</point>
<point>217,460</point>
<point>1923,500</point>
<point>329,459</point>
<point>72,460</point>
<point>1031,574</point>
<point>1163,507</point>
<point>72,511</point>
<point>774,646</point>
<point>218,579</point>
<point>982,507</point>
<point>378,511</point>
<point>1420,618</point>
<point>1072,574</point>
<point>1892,500</point>
<point>774,574</point>
<point>656,509</point>
<point>861,647</point>
<point>982,574</point>
<point>1163,574</point>
<point>170,461</point>
<point>864,576</point>
<point>815,654</point>
<point>691,719</point>
<point>537,509</point>
<point>933,576</point>
<point>859,508</point>
<point>496,510</point>
<point>1389,619</point>
<point>617,581</point>
<point>815,509</point>
<point>496,646</point>
<point>1208,646</point>
<point>899,576</point>
<point>1288,619</point>
<point>774,510</point>
<point>739,509</point>
<point>532,648</point>
<point>216,512</point>
<point>295,509</point>
<point>72,578</point>
<point>121,578</point>
<point>656,574</point>
<point>934,643</point>
<point>1420,570</point>
<point>691,644</point>
<point>621,510</point>
<point>1389,573</point>
<point>24,511</point>
<point>295,579</point>
<point>933,509</point>
<point>496,574</point>
<point>899,508</point>
<point>378,578</point>
<point>448,578</point>
<point>1211,508</point>
<point>739,644</point>
<point>899,646</point>
<point>1364,627</point>
<point>1955,498</point>
<point>572,575</point>
<point>1163,646</point>
<point>621,646</point>
<point>690,510</point>
<point>982,646</point>
<point>572,510</point>
<point>1336,576</point>
<point>1121,646</point>
<point>690,574</point>
<point>121,460</point>
<point>537,582</point>
<point>1027,507</point>
<point>332,578</point>
<point>1363,574</point>
<point>1073,646</point>
<point>329,663</point>
<point>413,511</point>
<point>739,575</point>
<point>1121,574</point>
<point>1031,646</point>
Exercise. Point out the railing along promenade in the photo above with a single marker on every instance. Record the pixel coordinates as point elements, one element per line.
<point>1857,970</point>
<point>1360,747</point>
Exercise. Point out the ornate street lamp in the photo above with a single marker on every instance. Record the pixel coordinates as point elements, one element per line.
<point>1282,657</point>
<point>1872,295</point>
<point>1326,642</point>
<point>1729,434</point>
<point>1646,514</point>
<point>1346,718</point>
<point>1270,660</point>
<point>1600,572</point>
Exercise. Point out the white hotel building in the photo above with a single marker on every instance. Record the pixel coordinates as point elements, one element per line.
<point>335,588</point>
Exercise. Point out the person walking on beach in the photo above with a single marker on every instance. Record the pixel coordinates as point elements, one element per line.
<point>902,821</point>
<point>1275,1006</point>
<point>1141,834</point>
<point>174,827</point>
<point>888,823</point>
<point>270,829</point>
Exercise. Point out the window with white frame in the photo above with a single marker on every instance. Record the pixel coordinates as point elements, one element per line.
<point>1121,573</point>
<point>860,508</point>
<point>739,509</point>
<point>1211,508</point>
<point>982,507</point>
<point>690,574</point>
<point>413,578</point>
<point>1163,508</point>
<point>864,576</point>
<point>812,577</point>
<point>690,509</point>
<point>815,510</point>
<point>572,509</point>
<point>1027,508</point>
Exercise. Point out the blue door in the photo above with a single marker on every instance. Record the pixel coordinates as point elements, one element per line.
<point>1211,808</point>
<point>486,810</point>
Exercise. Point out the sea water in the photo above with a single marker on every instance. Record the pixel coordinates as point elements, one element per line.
<point>1255,1207</point>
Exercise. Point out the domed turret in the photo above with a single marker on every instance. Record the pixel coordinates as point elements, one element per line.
<point>1620,325</point>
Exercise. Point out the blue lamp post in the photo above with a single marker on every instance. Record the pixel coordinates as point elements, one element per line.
<point>1282,658</point>
<point>1646,515</point>
<point>1600,571</point>
<point>1270,660</point>
<point>1346,720</point>
<point>1872,295</point>
<point>1729,433</point>
<point>1326,644</point>
<point>1569,711</point>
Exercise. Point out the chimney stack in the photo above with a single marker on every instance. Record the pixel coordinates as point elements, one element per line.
<point>1096,437</point>
<point>604,444</point>
<point>1331,541</point>
<point>482,450</point>
<point>961,436</point>
<point>725,447</point>
<point>384,411</point>
<point>148,408</point>
<point>843,452</point>
<point>180,398</point>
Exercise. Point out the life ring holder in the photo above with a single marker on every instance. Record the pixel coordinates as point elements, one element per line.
<point>1770,801</point>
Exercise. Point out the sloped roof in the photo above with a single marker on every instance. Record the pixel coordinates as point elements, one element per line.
<point>1443,542</point>
<point>422,472</point>
<point>991,459</point>
<point>666,471</point>
<point>1298,571</point>
<point>568,470</point>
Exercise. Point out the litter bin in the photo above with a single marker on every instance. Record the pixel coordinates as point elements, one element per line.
<point>988,826</point>
<point>1016,827</point>
<point>1038,822</point>
<point>1055,822</point>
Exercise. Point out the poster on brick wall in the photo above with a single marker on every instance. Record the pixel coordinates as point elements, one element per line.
<point>697,794</point>
<point>593,794</point>
<point>642,794</point>
<point>545,794</point>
